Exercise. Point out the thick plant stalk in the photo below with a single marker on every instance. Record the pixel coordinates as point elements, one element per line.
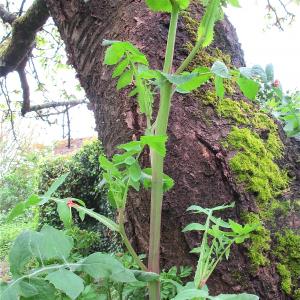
<point>157,161</point>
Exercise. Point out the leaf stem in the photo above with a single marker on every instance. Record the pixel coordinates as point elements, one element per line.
<point>190,57</point>
<point>127,242</point>
<point>157,161</point>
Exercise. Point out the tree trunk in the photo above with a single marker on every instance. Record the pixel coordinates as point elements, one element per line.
<point>197,159</point>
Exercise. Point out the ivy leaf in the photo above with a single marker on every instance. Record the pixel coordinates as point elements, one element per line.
<point>212,14</point>
<point>67,282</point>
<point>249,87</point>
<point>220,69</point>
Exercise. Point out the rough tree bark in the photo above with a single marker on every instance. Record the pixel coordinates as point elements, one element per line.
<point>196,159</point>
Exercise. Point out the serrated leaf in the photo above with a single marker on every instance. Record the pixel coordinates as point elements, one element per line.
<point>67,282</point>
<point>125,79</point>
<point>135,172</point>
<point>156,143</point>
<point>120,68</point>
<point>114,53</point>
<point>194,226</point>
<point>212,14</point>
<point>131,146</point>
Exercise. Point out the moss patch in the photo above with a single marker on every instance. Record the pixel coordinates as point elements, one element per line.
<point>288,254</point>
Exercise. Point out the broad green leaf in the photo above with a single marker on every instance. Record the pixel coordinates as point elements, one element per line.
<point>248,87</point>
<point>156,143</point>
<point>131,146</point>
<point>102,219</point>
<point>219,86</point>
<point>18,210</point>
<point>51,243</point>
<point>220,69</point>
<point>104,266</point>
<point>67,282</point>
<point>46,291</point>
<point>20,253</point>
<point>135,172</point>
<point>8,292</point>
<point>213,13</point>
<point>53,188</point>
<point>179,79</point>
<point>125,79</point>
<point>65,214</point>
<point>27,289</point>
<point>114,53</point>
<point>203,75</point>
<point>108,166</point>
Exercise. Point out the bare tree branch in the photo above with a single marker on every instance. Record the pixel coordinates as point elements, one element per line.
<point>24,30</point>
<point>55,104</point>
<point>6,16</point>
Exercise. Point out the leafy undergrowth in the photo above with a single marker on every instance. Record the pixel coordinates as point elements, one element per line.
<point>10,230</point>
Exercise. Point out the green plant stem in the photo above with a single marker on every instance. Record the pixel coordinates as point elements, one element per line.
<point>190,57</point>
<point>127,242</point>
<point>157,161</point>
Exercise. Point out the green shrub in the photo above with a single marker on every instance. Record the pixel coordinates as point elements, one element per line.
<point>20,182</point>
<point>83,182</point>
